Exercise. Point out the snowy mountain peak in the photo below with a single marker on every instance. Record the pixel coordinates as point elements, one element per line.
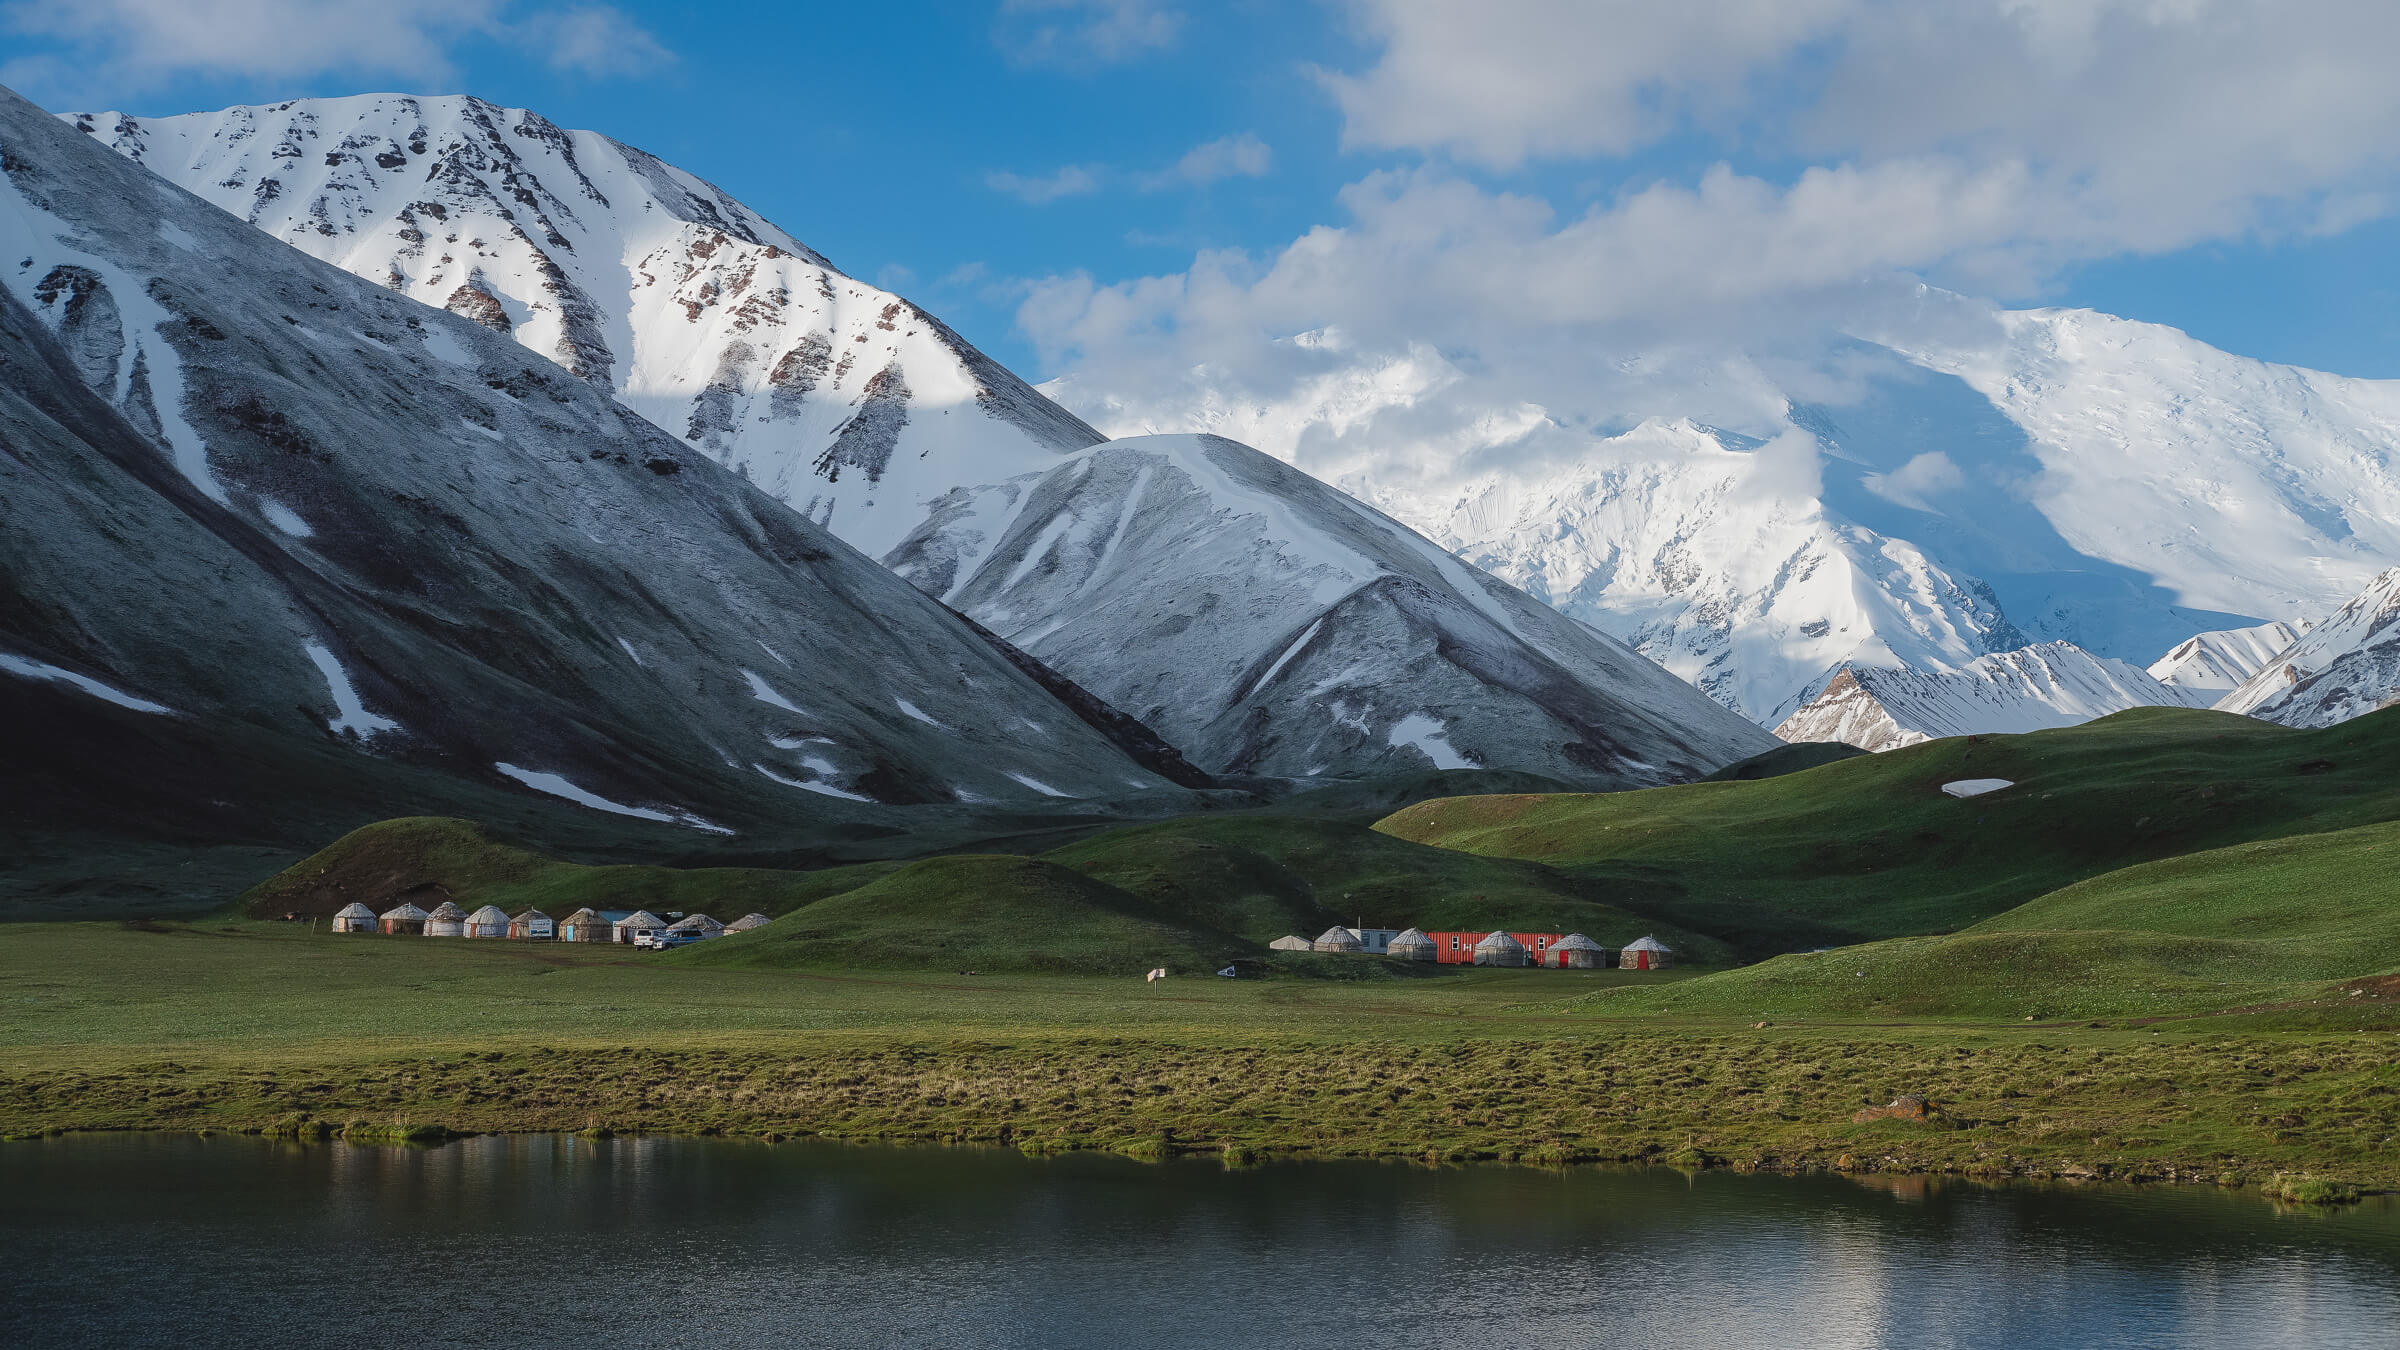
<point>1269,624</point>
<point>2347,665</point>
<point>2052,684</point>
<point>845,400</point>
<point>2215,663</point>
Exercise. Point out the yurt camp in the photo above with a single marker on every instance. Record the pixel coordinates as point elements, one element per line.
<point>1577,952</point>
<point>747,922</point>
<point>1499,949</point>
<point>446,920</point>
<point>585,925</point>
<point>1291,942</point>
<point>354,918</point>
<point>1337,940</point>
<point>491,921</point>
<point>640,921</point>
<point>1645,953</point>
<point>1412,945</point>
<point>532,924</point>
<point>698,925</point>
<point>405,919</point>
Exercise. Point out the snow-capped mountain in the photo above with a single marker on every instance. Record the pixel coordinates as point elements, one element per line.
<point>243,492</point>
<point>2345,666</point>
<point>846,401</point>
<point>2053,684</point>
<point>1268,624</point>
<point>2216,663</point>
<point>1950,482</point>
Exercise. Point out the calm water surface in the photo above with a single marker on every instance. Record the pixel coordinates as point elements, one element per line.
<point>165,1240</point>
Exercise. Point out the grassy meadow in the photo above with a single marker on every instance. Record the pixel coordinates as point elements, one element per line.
<point>2172,950</point>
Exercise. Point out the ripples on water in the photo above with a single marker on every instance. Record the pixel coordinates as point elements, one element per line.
<point>166,1240</point>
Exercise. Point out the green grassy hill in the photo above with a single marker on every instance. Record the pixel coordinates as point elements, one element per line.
<point>1783,759</point>
<point>429,859</point>
<point>981,912</point>
<point>1264,875</point>
<point>1870,847</point>
<point>2258,923</point>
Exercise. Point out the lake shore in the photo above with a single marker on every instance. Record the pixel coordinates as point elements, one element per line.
<point>257,1028</point>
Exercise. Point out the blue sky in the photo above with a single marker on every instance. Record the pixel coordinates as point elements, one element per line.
<point>918,145</point>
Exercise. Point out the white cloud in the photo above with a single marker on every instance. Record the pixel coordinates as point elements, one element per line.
<point>593,40</point>
<point>1084,32</point>
<point>112,48</point>
<point>1916,483</point>
<point>1074,180</point>
<point>1242,156</point>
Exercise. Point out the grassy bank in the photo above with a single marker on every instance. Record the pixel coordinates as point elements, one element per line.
<point>264,1026</point>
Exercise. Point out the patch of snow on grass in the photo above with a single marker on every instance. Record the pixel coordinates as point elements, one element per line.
<point>178,236</point>
<point>805,785</point>
<point>916,712</point>
<point>629,651</point>
<point>1038,785</point>
<point>558,786</point>
<point>284,518</point>
<point>765,693</point>
<point>354,720</point>
<point>1281,661</point>
<point>42,670</point>
<point>795,742</point>
<point>1428,735</point>
<point>776,654</point>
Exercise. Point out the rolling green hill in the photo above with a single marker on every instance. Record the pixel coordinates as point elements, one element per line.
<point>2251,924</point>
<point>1870,847</point>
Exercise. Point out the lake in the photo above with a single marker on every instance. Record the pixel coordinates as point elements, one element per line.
<point>139,1240</point>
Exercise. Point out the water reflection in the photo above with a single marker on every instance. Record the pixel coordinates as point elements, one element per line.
<point>552,1241</point>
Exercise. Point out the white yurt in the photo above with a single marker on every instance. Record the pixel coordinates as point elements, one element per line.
<point>1337,940</point>
<point>1577,952</point>
<point>446,920</point>
<point>405,919</point>
<point>640,921</point>
<point>747,922</point>
<point>1413,945</point>
<point>1291,942</point>
<point>491,921</point>
<point>354,918</point>
<point>698,924</point>
<point>532,924</point>
<point>1645,953</point>
<point>1500,950</point>
<point>586,925</point>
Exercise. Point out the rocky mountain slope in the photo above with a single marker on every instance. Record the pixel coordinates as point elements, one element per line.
<point>1268,624</point>
<point>2053,684</point>
<point>2343,667</point>
<point>1948,482</point>
<point>844,400</point>
<point>248,500</point>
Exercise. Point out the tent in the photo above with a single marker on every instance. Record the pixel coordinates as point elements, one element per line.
<point>1500,950</point>
<point>354,918</point>
<point>641,920</point>
<point>532,924</point>
<point>491,921</point>
<point>406,918</point>
<point>1577,952</point>
<point>446,920</point>
<point>1646,953</point>
<point>1413,945</point>
<point>1291,942</point>
<point>1337,940</point>
<point>699,925</point>
<point>747,922</point>
<point>586,925</point>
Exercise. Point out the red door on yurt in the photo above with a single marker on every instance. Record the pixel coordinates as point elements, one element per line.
<point>1641,960</point>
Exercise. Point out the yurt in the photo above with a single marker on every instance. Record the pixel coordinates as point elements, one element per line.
<point>532,924</point>
<point>1577,952</point>
<point>1413,945</point>
<point>446,920</point>
<point>586,925</point>
<point>1291,942</point>
<point>699,925</point>
<point>407,919</point>
<point>1500,950</point>
<point>491,921</point>
<point>354,918</point>
<point>747,922</point>
<point>1337,940</point>
<point>1645,953</point>
<point>640,921</point>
